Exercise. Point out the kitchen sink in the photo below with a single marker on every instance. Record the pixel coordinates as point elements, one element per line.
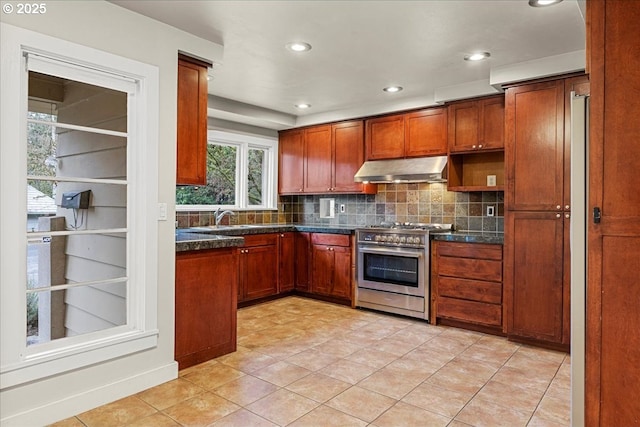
<point>214,228</point>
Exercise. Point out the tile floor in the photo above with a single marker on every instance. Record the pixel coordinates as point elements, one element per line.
<point>302,362</point>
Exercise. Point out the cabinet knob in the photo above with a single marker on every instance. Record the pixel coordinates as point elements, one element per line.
<point>480,146</point>
<point>558,207</point>
<point>567,207</point>
<point>558,215</point>
<point>328,188</point>
<point>474,146</point>
<point>567,215</point>
<point>282,235</point>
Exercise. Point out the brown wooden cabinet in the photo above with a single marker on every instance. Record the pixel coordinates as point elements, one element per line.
<point>291,162</point>
<point>476,125</point>
<point>613,284</point>
<point>205,305</point>
<point>322,159</point>
<point>303,255</point>
<point>415,134</point>
<point>537,201</point>
<point>467,285</point>
<point>258,272</point>
<point>191,168</point>
<point>331,265</point>
<point>286,262</point>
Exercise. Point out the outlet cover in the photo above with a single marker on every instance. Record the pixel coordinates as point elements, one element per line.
<point>491,210</point>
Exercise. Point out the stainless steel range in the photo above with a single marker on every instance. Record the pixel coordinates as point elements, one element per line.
<point>393,267</point>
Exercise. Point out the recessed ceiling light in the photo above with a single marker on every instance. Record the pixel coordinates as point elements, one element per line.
<point>298,46</point>
<point>303,106</point>
<point>542,3</point>
<point>392,89</point>
<point>478,56</point>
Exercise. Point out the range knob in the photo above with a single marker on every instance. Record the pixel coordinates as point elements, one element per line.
<point>411,240</point>
<point>378,237</point>
<point>396,239</point>
<point>403,239</point>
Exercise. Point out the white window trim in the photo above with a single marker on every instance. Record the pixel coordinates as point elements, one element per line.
<point>270,180</point>
<point>17,364</point>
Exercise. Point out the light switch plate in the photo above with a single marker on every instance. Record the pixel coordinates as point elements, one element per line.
<point>162,211</point>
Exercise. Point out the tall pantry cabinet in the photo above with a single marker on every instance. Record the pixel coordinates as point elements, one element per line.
<point>538,211</point>
<point>613,283</point>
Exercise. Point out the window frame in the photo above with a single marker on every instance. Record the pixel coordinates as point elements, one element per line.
<point>269,179</point>
<point>20,363</point>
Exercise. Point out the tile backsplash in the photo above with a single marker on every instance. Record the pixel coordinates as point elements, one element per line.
<point>394,202</point>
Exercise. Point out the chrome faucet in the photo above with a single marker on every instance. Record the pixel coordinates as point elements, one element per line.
<point>219,215</point>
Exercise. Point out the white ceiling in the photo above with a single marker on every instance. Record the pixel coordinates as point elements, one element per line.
<point>359,47</point>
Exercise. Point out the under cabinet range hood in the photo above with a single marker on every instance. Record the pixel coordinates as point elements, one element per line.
<point>419,169</point>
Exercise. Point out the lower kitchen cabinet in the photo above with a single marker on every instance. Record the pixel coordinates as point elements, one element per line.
<point>467,285</point>
<point>258,272</point>
<point>286,257</point>
<point>331,265</point>
<point>205,305</point>
<point>303,255</point>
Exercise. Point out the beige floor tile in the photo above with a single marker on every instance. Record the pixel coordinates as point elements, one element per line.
<point>473,368</point>
<point>419,368</point>
<point>245,390</point>
<point>360,338</point>
<point>203,409</point>
<point>455,380</point>
<point>439,400</point>
<point>120,412</point>
<point>483,413</point>
<point>543,366</point>
<point>446,345</point>
<point>361,403</point>
<point>214,377</point>
<point>456,423</point>
<point>391,382</point>
<point>537,353</point>
<point>201,367</point>
<point>395,346</point>
<point>522,378</point>
<point>170,393</point>
<point>68,422</point>
<point>554,409</point>
<point>432,355</point>
<point>327,417</point>
<point>156,420</point>
<point>372,357</point>
<point>282,407</point>
<point>281,373</point>
<point>347,371</point>
<point>536,421</point>
<point>318,387</point>
<point>247,361</point>
<point>338,348</point>
<point>462,335</point>
<point>243,418</point>
<point>312,359</point>
<point>520,399</point>
<point>403,414</point>
<point>488,354</point>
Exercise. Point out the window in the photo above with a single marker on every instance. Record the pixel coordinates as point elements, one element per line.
<point>77,276</point>
<point>241,174</point>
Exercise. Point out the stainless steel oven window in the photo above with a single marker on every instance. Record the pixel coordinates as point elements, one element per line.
<point>392,269</point>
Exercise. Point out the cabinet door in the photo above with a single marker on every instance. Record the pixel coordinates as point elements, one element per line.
<point>348,155</point>
<point>191,168</point>
<point>341,272</point>
<point>286,255</point>
<point>322,261</point>
<point>464,122</point>
<point>384,137</point>
<point>534,275</point>
<point>535,146</point>
<point>302,253</point>
<point>205,303</point>
<point>259,271</point>
<point>318,160</point>
<point>492,123</point>
<point>426,133</point>
<point>291,166</point>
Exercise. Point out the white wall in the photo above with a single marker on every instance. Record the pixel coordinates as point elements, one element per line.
<point>105,26</point>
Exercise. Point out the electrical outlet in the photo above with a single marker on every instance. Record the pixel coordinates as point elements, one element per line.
<point>342,209</point>
<point>490,210</point>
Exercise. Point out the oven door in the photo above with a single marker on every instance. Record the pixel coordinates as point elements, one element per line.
<point>398,270</point>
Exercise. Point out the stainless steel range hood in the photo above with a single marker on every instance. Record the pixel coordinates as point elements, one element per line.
<point>419,169</point>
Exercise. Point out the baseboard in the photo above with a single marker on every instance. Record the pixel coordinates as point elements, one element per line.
<point>76,404</point>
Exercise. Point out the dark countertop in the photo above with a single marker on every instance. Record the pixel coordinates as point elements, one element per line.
<point>199,238</point>
<point>470,237</point>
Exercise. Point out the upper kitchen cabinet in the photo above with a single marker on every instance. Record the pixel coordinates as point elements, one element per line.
<point>415,134</point>
<point>322,159</point>
<point>476,125</point>
<point>192,121</point>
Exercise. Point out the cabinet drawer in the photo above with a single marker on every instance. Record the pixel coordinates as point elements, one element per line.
<point>470,250</point>
<point>470,311</point>
<point>330,239</point>
<point>475,290</point>
<point>260,239</point>
<point>470,268</point>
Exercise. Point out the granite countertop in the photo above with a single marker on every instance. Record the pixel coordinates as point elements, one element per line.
<point>199,238</point>
<point>470,237</point>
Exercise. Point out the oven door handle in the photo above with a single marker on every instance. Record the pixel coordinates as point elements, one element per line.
<point>387,251</point>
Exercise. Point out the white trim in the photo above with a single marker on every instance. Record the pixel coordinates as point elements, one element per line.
<point>69,406</point>
<point>80,128</point>
<point>19,364</point>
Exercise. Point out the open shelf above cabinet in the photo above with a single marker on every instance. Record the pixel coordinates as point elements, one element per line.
<point>469,171</point>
